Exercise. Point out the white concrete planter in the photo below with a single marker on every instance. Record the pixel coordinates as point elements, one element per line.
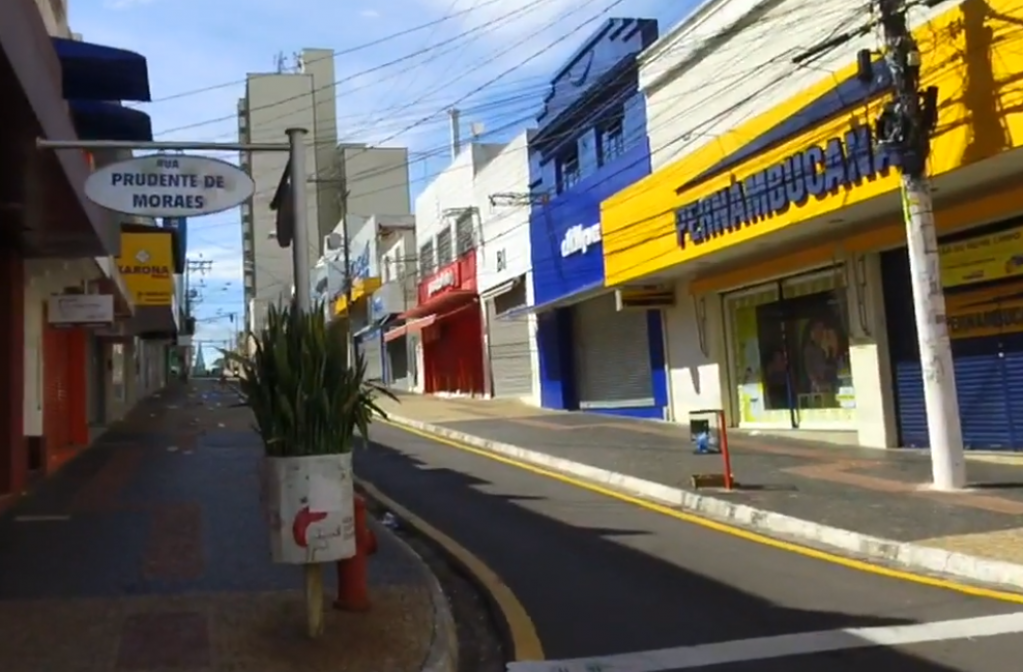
<point>310,508</point>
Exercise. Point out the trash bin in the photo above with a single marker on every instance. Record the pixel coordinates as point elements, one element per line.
<point>705,430</point>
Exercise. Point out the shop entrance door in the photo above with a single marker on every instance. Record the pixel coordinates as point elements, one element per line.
<point>790,354</point>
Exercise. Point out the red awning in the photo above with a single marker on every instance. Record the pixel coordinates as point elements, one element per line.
<point>441,303</point>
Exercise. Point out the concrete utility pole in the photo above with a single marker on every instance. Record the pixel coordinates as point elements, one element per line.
<point>905,127</point>
<point>347,255</point>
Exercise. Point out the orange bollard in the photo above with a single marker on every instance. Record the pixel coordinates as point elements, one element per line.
<point>352,574</point>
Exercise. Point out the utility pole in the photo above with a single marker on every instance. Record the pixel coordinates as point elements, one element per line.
<point>347,255</point>
<point>904,128</point>
<point>200,266</point>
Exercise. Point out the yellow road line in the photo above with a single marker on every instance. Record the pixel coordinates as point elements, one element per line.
<point>525,641</point>
<point>708,523</point>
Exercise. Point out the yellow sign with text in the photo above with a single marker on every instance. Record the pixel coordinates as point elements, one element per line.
<point>996,256</point>
<point>985,312</point>
<point>787,166</point>
<point>147,266</point>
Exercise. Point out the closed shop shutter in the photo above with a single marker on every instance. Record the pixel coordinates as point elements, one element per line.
<point>612,359</point>
<point>510,366</point>
<point>988,373</point>
<point>371,347</point>
<point>398,372</point>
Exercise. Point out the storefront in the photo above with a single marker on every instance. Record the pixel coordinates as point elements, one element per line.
<point>781,231</point>
<point>788,352</point>
<point>592,356</point>
<point>449,325</point>
<point>982,273</point>
<point>508,339</point>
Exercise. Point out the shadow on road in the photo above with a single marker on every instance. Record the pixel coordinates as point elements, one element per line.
<point>600,588</point>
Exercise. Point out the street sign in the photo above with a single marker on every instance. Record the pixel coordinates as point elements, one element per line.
<point>169,185</point>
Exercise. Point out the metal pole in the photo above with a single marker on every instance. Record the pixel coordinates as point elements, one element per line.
<point>347,253</point>
<point>910,136</point>
<point>300,237</point>
<point>163,146</point>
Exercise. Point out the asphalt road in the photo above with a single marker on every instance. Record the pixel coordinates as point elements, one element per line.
<point>600,577</point>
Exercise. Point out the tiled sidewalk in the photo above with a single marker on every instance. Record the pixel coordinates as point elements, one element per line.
<point>870,493</point>
<point>148,552</point>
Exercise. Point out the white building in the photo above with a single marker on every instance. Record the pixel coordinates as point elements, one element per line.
<point>504,272</point>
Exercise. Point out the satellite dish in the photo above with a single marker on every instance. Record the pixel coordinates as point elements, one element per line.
<point>476,129</point>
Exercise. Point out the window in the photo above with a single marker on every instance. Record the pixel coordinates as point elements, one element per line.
<point>612,141</point>
<point>568,169</point>
<point>445,249</point>
<point>426,261</point>
<point>464,233</point>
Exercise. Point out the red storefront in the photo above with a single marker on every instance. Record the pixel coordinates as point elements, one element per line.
<point>448,317</point>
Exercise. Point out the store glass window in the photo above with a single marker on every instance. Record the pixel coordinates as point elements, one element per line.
<point>790,352</point>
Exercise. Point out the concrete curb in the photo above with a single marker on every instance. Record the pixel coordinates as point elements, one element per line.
<point>902,554</point>
<point>443,653</point>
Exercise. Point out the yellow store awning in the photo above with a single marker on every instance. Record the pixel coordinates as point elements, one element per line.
<point>361,289</point>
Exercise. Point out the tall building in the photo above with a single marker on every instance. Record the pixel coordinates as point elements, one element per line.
<point>343,178</point>
<point>299,97</point>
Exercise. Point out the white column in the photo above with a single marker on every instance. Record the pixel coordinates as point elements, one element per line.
<point>868,353</point>
<point>694,376</point>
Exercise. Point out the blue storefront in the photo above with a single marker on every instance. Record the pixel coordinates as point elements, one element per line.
<point>590,143</point>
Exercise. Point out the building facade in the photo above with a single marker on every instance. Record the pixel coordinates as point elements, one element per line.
<point>273,103</point>
<point>445,328</point>
<point>780,219</point>
<point>397,294</point>
<point>590,143</point>
<point>504,273</point>
<point>70,310</point>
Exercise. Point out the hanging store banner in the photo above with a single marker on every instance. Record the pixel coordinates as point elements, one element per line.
<point>147,266</point>
<point>990,311</point>
<point>168,185</point>
<point>996,256</point>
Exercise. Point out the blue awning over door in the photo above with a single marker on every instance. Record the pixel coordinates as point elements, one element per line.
<point>97,120</point>
<point>98,72</point>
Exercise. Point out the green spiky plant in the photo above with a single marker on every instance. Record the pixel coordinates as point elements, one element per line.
<point>306,398</point>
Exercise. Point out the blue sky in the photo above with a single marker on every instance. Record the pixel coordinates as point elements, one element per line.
<point>199,52</point>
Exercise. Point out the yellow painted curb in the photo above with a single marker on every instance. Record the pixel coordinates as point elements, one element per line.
<point>525,641</point>
<point>738,532</point>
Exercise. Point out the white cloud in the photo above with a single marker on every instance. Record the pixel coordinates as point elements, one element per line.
<point>369,14</point>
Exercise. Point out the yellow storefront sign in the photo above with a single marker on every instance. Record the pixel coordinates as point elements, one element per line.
<point>361,288</point>
<point>147,266</point>
<point>985,312</point>
<point>995,256</point>
<point>708,202</point>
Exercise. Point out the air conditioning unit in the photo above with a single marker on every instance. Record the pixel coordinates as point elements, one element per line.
<point>644,297</point>
<point>332,242</point>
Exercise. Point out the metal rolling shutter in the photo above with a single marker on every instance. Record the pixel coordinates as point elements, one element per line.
<point>371,348</point>
<point>612,359</point>
<point>510,365</point>
<point>988,372</point>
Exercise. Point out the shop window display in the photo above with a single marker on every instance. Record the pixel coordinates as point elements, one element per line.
<point>790,353</point>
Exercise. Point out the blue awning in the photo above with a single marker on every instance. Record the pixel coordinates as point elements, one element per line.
<point>97,72</point>
<point>96,120</point>
<point>584,293</point>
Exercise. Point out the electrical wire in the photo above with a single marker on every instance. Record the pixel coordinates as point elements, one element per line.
<point>773,83</point>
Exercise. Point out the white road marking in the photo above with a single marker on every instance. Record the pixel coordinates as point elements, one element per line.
<point>763,648</point>
<point>40,519</point>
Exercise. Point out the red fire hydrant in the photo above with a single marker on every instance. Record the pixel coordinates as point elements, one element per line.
<point>352,574</point>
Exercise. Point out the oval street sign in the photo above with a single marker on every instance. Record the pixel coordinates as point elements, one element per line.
<point>169,185</point>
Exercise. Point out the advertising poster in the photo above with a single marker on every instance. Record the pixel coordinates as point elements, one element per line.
<point>747,353</point>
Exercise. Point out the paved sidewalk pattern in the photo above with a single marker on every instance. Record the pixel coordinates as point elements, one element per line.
<point>148,552</point>
<point>865,501</point>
